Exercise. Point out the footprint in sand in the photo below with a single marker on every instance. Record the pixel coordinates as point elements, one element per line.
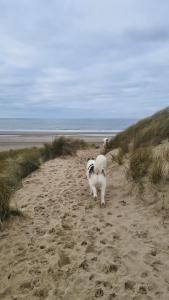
<point>153,252</point>
<point>129,285</point>
<point>144,274</point>
<point>69,245</point>
<point>42,247</point>
<point>99,293</point>
<point>110,268</point>
<point>142,234</point>
<point>156,265</point>
<point>84,243</point>
<point>41,293</point>
<point>109,213</point>
<point>108,224</point>
<point>142,290</point>
<point>112,296</point>
<point>105,284</point>
<point>123,202</point>
<point>66,224</point>
<point>26,285</point>
<point>91,277</point>
<point>84,265</point>
<point>40,231</point>
<point>63,260</point>
<point>35,271</point>
<point>51,250</point>
<point>151,285</point>
<point>94,258</point>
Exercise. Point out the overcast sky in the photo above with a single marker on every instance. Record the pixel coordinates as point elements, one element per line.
<point>83,58</point>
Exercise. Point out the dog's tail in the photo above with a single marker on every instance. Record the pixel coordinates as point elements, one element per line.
<point>100,164</point>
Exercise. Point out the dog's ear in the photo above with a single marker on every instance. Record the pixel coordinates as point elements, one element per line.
<point>88,159</point>
<point>92,158</point>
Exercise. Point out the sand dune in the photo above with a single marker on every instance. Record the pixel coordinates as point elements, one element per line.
<point>68,248</point>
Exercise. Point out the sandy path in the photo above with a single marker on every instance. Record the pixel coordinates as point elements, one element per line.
<point>68,248</point>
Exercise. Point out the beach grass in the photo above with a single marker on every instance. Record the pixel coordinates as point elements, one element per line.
<point>139,163</point>
<point>118,157</point>
<point>144,147</point>
<point>150,131</point>
<point>17,164</point>
<point>62,147</point>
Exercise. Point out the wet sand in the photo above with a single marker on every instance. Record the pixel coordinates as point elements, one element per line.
<point>17,140</point>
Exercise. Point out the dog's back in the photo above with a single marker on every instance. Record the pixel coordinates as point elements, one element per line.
<point>100,164</point>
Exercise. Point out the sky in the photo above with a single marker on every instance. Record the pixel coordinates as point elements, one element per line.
<point>83,58</point>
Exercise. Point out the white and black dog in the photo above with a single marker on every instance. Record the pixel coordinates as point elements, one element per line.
<point>105,142</point>
<point>96,174</point>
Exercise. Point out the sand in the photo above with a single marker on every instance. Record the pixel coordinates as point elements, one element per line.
<point>68,248</point>
<point>17,140</point>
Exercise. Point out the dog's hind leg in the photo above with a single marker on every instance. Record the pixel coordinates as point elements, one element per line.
<point>91,189</point>
<point>103,189</point>
<point>94,192</point>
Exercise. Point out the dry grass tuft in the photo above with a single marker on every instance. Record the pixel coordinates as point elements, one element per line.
<point>118,158</point>
<point>62,147</point>
<point>156,171</point>
<point>139,163</point>
<point>159,171</point>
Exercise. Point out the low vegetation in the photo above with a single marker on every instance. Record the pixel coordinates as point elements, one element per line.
<point>147,132</point>
<point>118,157</point>
<point>17,164</point>
<point>156,171</point>
<point>152,162</point>
<point>159,171</point>
<point>144,150</point>
<point>61,147</point>
<point>139,163</point>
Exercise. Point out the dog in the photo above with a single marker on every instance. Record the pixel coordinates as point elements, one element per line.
<point>96,175</point>
<point>105,142</point>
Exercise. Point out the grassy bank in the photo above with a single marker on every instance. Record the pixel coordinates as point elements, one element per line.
<point>150,131</point>
<point>143,150</point>
<point>17,164</point>
<point>139,142</point>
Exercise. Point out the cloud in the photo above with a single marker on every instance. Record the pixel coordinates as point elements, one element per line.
<point>83,58</point>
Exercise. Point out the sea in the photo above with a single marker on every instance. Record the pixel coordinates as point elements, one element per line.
<point>65,126</point>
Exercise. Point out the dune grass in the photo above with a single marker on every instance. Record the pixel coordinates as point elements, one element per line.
<point>139,163</point>
<point>147,132</point>
<point>139,141</point>
<point>159,171</point>
<point>148,162</point>
<point>118,157</point>
<point>156,171</point>
<point>62,147</point>
<point>17,164</point>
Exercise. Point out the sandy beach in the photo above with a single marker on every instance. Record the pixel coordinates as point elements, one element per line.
<point>68,248</point>
<point>28,139</point>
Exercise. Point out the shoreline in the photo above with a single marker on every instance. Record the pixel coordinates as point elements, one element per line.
<point>59,132</point>
<point>27,139</point>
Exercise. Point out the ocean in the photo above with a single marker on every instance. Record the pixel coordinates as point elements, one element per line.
<point>66,126</point>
